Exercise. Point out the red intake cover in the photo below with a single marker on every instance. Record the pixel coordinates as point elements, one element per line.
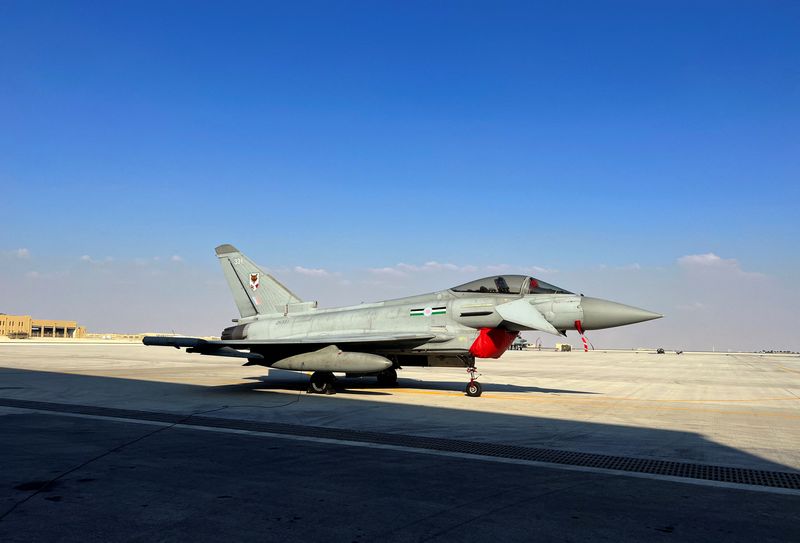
<point>492,342</point>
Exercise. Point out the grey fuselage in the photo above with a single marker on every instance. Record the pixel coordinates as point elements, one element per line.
<point>455,319</point>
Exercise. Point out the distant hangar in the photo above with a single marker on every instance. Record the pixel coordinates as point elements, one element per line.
<point>23,326</point>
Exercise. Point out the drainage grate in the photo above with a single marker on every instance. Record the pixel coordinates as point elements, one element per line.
<point>744,476</point>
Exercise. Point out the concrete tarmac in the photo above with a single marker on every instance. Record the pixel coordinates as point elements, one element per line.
<point>129,480</point>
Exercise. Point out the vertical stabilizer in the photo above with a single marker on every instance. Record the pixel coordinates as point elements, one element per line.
<point>254,291</point>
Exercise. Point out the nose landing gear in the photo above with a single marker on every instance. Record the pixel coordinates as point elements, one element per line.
<point>473,387</point>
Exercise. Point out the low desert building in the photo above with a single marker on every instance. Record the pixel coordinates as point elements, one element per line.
<point>24,326</point>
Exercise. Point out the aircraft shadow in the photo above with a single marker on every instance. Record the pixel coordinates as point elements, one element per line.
<point>369,385</point>
<point>264,383</point>
<point>263,400</point>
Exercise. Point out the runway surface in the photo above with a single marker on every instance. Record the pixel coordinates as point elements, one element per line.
<point>416,462</point>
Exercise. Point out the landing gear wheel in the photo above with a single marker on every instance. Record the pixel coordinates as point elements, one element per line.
<point>473,389</point>
<point>388,378</point>
<point>322,383</point>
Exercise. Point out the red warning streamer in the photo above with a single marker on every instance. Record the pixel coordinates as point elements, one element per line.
<point>579,328</point>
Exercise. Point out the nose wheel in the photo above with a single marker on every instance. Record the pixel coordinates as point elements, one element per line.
<point>473,387</point>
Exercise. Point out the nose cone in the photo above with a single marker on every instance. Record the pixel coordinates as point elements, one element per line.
<point>599,313</point>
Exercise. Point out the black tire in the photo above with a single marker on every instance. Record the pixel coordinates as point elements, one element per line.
<point>388,378</point>
<point>473,389</point>
<point>321,383</point>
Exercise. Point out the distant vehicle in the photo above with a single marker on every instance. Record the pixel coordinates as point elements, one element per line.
<point>448,328</point>
<point>519,344</point>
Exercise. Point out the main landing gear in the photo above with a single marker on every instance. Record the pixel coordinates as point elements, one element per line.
<point>473,387</point>
<point>322,383</point>
<point>387,378</point>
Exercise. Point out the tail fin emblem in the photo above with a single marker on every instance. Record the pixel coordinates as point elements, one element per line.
<point>253,281</point>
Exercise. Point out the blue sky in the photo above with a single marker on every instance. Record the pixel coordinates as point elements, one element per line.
<point>579,137</point>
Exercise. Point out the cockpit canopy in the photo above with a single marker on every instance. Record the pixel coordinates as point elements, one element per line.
<point>510,284</point>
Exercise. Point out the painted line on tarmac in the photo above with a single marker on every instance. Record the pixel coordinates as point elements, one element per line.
<point>416,450</point>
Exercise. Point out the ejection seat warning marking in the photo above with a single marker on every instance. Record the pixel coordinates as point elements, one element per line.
<point>428,311</point>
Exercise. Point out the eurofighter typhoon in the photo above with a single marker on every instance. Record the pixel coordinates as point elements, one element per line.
<point>449,328</point>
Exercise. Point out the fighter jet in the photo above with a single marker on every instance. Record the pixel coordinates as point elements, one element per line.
<point>448,328</point>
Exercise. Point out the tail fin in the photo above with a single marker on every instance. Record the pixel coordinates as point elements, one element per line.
<point>254,291</point>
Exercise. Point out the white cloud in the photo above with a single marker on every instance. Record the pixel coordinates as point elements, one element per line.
<point>540,269</point>
<point>49,275</point>
<point>388,270</point>
<point>176,258</point>
<point>704,260</point>
<point>634,266</point>
<point>713,262</point>
<point>403,270</point>
<point>431,266</point>
<point>90,260</point>
<point>497,268</point>
<point>409,267</point>
<point>313,272</point>
<point>22,253</point>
